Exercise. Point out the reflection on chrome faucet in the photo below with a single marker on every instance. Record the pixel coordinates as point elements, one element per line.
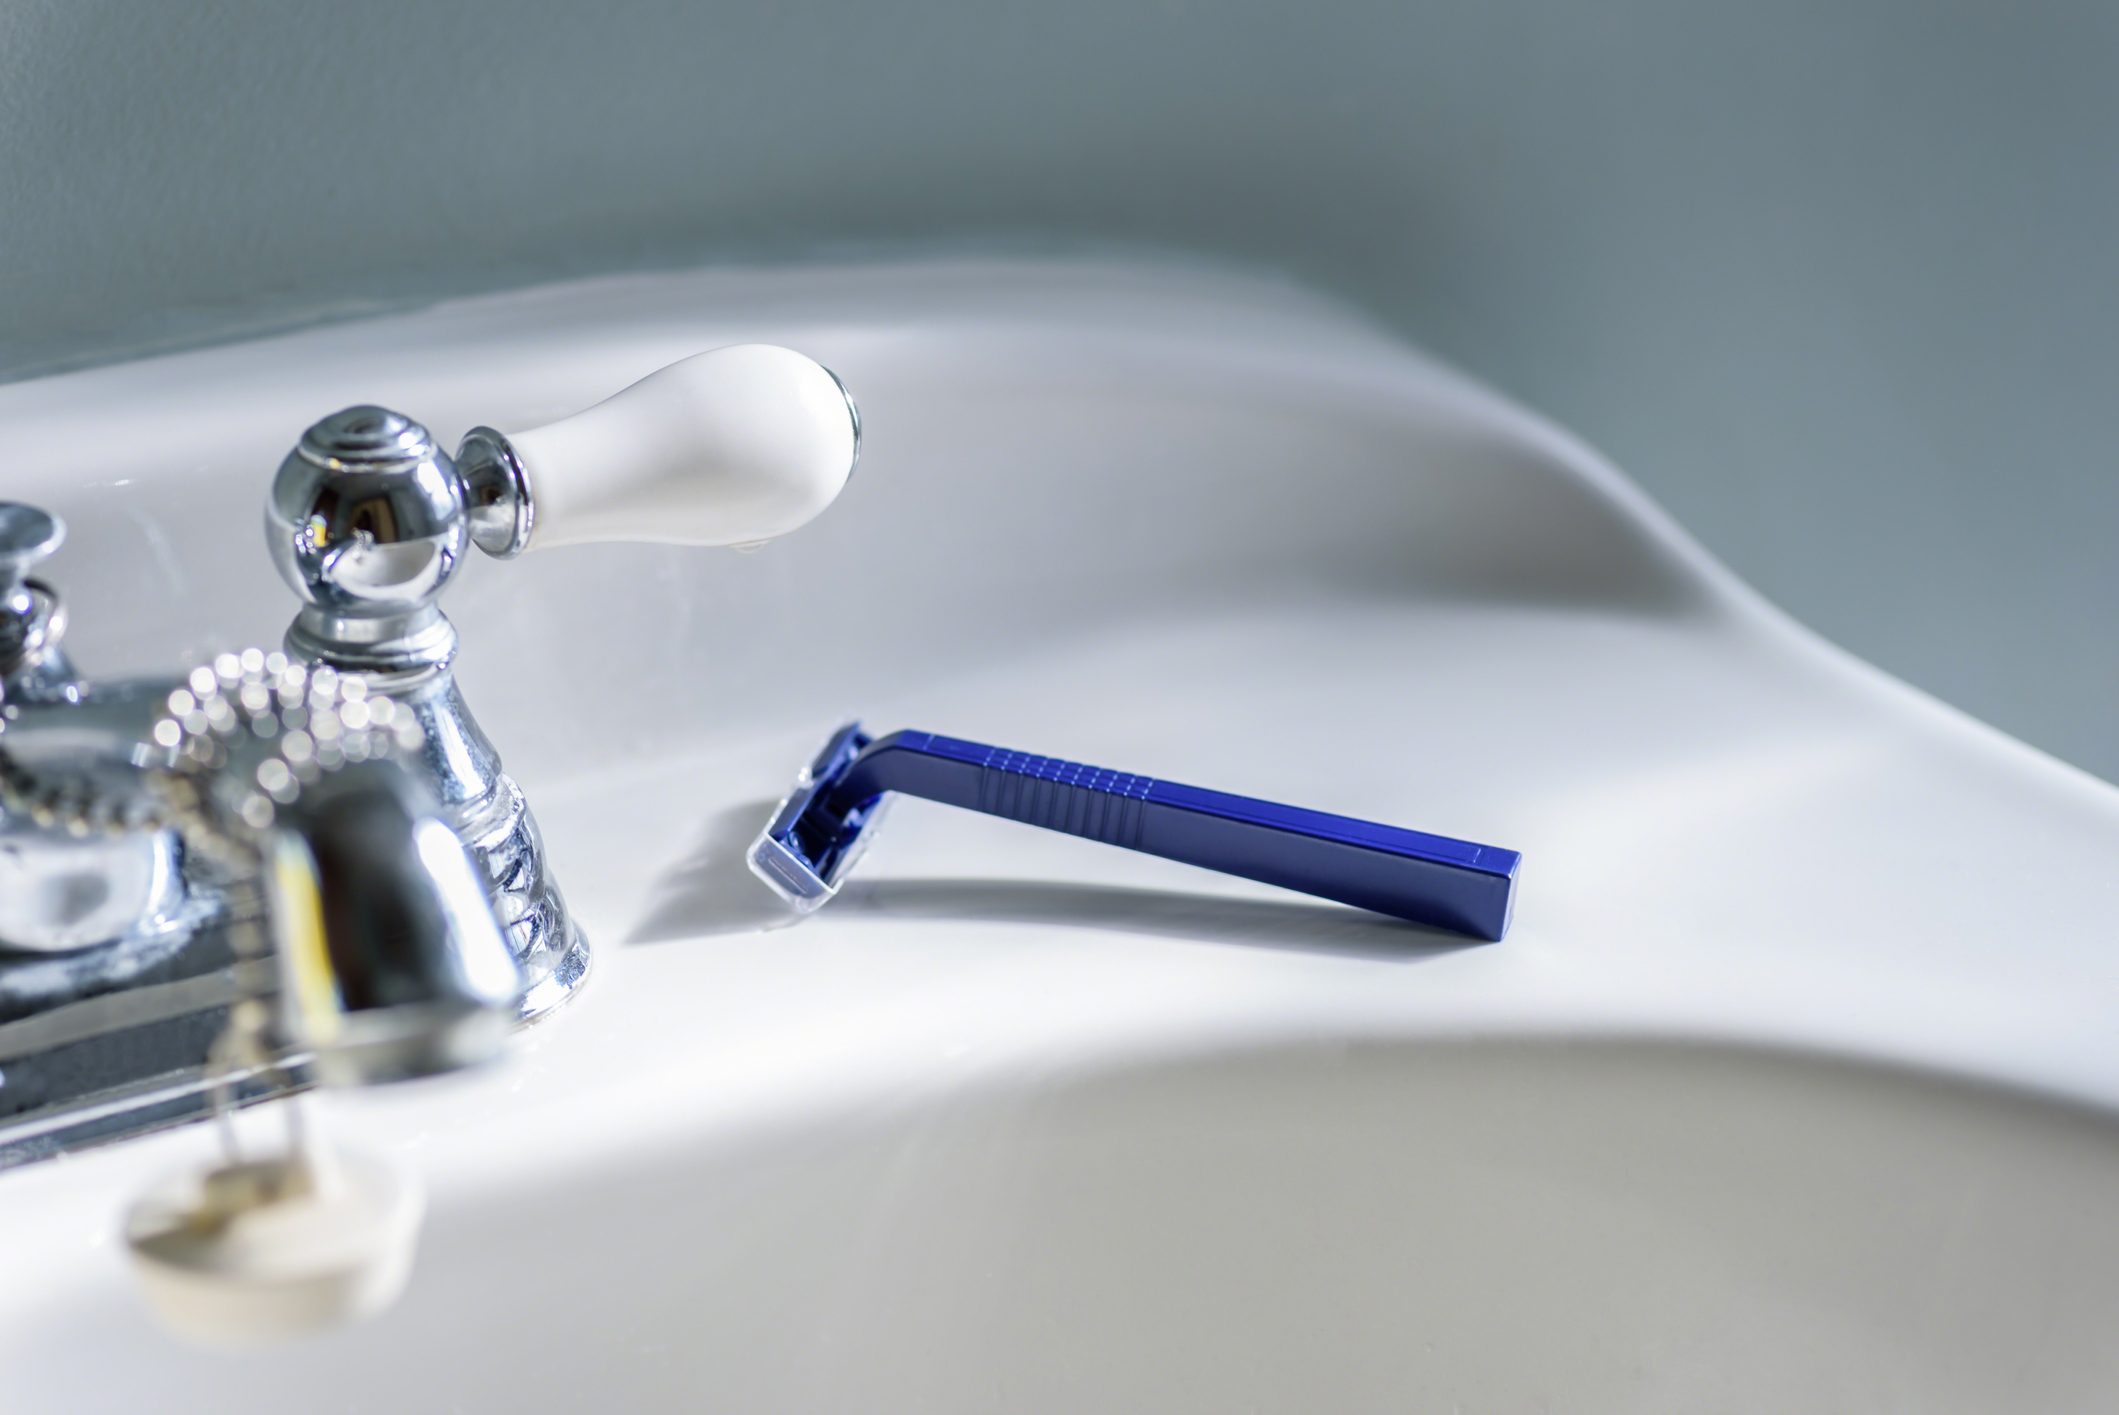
<point>245,832</point>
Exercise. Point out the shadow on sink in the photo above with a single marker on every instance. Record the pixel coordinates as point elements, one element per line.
<point>713,892</point>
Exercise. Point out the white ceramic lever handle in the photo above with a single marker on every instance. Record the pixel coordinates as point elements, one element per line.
<point>729,447</point>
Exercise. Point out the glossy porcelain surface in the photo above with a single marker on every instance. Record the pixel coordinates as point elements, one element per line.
<point>1795,1085</point>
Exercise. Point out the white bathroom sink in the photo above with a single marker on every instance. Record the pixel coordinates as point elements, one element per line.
<point>1793,1088</point>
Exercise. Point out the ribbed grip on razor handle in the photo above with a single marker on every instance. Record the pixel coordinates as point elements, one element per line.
<point>1408,874</point>
<point>1088,801</point>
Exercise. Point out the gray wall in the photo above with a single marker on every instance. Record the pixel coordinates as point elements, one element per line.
<point>1839,282</point>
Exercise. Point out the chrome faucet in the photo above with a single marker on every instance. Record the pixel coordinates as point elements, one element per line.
<point>323,835</point>
<point>176,855</point>
<point>367,522</point>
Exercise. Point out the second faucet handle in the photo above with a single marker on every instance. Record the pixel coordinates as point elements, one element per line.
<point>730,447</point>
<point>30,618</point>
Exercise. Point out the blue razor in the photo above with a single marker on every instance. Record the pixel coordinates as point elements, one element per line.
<point>820,830</point>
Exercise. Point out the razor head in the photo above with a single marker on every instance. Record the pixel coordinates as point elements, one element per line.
<point>809,847</point>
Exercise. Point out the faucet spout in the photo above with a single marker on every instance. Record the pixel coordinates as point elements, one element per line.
<point>392,966</point>
<point>294,904</point>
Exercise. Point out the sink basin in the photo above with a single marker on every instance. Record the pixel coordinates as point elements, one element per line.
<point>1795,1085</point>
<point>1354,1223</point>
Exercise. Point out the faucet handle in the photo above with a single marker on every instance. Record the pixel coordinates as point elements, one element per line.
<point>31,618</point>
<point>730,447</point>
<point>28,536</point>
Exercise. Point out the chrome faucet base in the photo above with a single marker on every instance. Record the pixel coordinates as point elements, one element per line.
<point>480,801</point>
<point>130,1070</point>
<point>80,1067</point>
<point>549,946</point>
<point>179,1098</point>
<point>244,842</point>
<point>570,955</point>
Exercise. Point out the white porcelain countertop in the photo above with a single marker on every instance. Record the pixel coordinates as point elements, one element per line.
<point>1172,522</point>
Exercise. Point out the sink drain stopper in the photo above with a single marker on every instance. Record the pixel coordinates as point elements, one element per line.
<point>253,1251</point>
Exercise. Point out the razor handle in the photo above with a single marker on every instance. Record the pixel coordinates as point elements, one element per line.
<point>1407,874</point>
